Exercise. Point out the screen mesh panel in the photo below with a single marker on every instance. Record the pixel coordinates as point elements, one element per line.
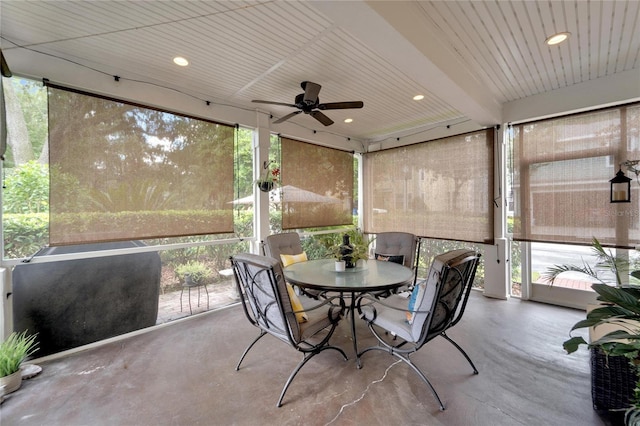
<point>437,189</point>
<point>120,171</point>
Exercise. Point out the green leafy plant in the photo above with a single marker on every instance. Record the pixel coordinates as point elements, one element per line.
<point>198,271</point>
<point>620,307</point>
<point>606,261</point>
<point>358,240</point>
<point>270,177</point>
<point>27,189</point>
<point>15,349</point>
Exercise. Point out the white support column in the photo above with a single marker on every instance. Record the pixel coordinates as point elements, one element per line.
<point>497,265</point>
<point>261,144</point>
<point>6,307</point>
<point>360,206</point>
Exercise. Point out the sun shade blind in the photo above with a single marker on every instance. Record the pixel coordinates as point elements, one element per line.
<point>317,185</point>
<point>437,189</point>
<point>561,173</point>
<point>121,172</point>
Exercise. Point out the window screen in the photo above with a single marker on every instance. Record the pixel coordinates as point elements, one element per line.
<point>120,171</point>
<point>317,185</point>
<point>437,189</point>
<point>561,172</point>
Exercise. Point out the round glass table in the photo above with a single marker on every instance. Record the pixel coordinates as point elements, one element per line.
<point>373,276</point>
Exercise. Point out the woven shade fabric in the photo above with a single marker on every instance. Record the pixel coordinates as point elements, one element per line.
<point>317,185</point>
<point>120,171</point>
<point>561,172</point>
<point>438,189</point>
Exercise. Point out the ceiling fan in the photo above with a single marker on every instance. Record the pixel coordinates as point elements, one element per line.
<point>309,103</point>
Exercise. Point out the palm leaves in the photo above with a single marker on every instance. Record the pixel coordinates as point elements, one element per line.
<point>606,261</point>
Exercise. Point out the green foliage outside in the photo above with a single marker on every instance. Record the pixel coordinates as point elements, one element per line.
<point>516,254</point>
<point>27,189</point>
<point>25,234</point>
<point>198,271</point>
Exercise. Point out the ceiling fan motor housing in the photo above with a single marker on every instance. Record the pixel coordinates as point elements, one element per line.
<point>306,106</point>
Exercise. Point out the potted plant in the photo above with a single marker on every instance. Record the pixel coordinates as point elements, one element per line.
<point>620,309</point>
<point>193,272</point>
<point>616,346</point>
<point>270,178</point>
<point>353,247</point>
<point>13,351</point>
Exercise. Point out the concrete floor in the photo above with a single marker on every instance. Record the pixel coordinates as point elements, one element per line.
<point>183,373</point>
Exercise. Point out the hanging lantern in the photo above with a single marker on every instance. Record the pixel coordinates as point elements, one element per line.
<point>620,188</point>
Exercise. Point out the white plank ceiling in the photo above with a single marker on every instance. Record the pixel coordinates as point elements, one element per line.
<point>467,57</point>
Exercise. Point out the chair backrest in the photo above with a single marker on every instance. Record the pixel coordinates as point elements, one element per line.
<point>396,244</point>
<point>448,286</point>
<point>285,243</point>
<point>265,298</point>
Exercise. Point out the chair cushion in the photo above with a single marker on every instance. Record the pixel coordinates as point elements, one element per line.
<point>390,258</point>
<point>436,268</point>
<point>284,243</point>
<point>397,243</point>
<point>392,318</point>
<point>289,259</point>
<point>415,300</point>
<point>296,305</point>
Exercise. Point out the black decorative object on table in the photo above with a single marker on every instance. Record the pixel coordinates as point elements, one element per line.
<point>346,251</point>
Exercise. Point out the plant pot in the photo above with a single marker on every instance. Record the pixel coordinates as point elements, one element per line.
<point>11,382</point>
<point>613,380</point>
<point>340,265</point>
<point>264,186</point>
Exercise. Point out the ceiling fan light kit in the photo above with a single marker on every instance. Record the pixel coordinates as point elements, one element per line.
<point>309,103</point>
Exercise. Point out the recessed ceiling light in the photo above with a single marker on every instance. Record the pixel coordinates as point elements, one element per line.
<point>418,97</point>
<point>557,38</point>
<point>348,120</point>
<point>179,60</point>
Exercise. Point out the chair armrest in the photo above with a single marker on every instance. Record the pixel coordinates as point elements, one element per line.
<point>371,301</point>
<point>335,311</point>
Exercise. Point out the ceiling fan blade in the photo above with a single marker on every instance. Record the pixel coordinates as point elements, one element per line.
<point>275,103</point>
<point>6,72</point>
<point>321,118</point>
<point>311,91</point>
<point>286,117</point>
<point>341,105</point>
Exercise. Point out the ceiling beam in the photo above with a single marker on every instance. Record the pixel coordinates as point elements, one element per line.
<point>396,31</point>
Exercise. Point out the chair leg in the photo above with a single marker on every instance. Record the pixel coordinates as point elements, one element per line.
<point>306,358</point>
<point>207,291</point>
<point>189,293</point>
<point>423,377</point>
<point>475,370</point>
<point>181,292</point>
<point>407,361</point>
<point>246,351</point>
<point>292,375</point>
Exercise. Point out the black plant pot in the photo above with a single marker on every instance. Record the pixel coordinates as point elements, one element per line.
<point>613,381</point>
<point>265,186</point>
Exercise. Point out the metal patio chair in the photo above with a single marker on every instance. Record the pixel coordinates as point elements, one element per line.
<point>399,247</point>
<point>269,306</point>
<point>438,304</point>
<point>285,243</point>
